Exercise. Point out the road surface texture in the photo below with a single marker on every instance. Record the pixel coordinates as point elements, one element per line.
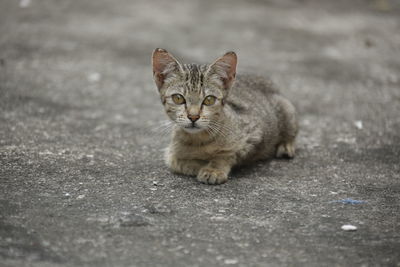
<point>82,178</point>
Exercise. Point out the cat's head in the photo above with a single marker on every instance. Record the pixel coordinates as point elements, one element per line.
<point>193,95</point>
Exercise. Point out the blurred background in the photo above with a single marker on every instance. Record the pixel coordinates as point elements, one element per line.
<point>79,153</point>
<point>95,55</point>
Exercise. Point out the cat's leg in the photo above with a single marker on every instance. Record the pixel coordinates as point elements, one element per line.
<point>286,149</point>
<point>289,129</point>
<point>216,171</point>
<point>185,166</point>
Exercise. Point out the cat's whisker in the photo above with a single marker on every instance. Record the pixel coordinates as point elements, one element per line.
<point>158,125</point>
<point>212,131</point>
<point>166,130</point>
<point>217,131</point>
<point>160,130</point>
<point>230,130</point>
<point>209,131</point>
<point>223,130</point>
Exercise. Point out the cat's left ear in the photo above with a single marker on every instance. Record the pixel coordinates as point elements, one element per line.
<point>164,65</point>
<point>225,69</point>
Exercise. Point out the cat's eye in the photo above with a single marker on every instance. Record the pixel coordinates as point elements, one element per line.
<point>209,100</point>
<point>178,99</point>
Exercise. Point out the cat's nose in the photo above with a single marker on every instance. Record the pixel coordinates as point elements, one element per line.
<point>193,118</point>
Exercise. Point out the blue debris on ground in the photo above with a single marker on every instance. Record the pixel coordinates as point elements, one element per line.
<point>350,201</point>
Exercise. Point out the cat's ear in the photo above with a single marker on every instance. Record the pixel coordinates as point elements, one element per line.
<point>164,64</point>
<point>225,69</point>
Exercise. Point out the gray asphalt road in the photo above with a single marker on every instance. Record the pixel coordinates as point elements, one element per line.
<point>82,181</point>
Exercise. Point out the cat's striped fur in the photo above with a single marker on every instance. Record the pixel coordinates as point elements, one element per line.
<point>249,120</point>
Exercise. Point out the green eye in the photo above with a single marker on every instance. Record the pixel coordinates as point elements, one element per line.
<point>178,99</point>
<point>209,100</point>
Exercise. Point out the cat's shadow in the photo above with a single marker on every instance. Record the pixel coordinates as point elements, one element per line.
<point>248,170</point>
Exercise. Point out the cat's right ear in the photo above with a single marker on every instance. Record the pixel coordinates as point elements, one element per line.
<point>224,68</point>
<point>164,65</point>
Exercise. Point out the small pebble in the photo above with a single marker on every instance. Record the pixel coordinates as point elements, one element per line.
<point>230,261</point>
<point>25,3</point>
<point>94,77</point>
<point>349,227</point>
<point>368,43</point>
<point>218,218</point>
<point>358,124</point>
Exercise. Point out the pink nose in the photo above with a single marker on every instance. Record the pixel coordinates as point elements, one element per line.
<point>193,118</point>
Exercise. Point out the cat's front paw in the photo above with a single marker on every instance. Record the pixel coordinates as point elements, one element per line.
<point>212,176</point>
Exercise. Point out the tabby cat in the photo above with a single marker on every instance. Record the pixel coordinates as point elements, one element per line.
<point>221,120</point>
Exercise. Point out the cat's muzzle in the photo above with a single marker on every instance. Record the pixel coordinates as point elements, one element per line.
<point>192,128</point>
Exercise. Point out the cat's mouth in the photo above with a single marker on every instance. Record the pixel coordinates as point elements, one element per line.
<point>192,128</point>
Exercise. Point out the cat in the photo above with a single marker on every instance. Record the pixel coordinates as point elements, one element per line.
<point>221,120</point>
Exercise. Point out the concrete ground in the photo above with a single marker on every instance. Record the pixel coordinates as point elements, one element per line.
<point>82,180</point>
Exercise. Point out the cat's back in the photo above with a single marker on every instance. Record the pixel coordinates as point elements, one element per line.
<point>253,84</point>
<point>251,91</point>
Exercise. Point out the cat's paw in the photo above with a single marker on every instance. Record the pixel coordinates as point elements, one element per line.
<point>286,150</point>
<point>212,176</point>
<point>187,167</point>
